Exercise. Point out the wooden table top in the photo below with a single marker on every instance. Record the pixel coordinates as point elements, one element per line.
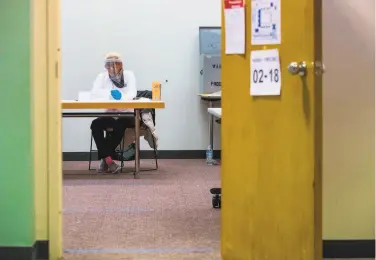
<point>72,104</point>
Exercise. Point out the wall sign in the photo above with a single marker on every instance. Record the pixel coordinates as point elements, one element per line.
<point>211,74</point>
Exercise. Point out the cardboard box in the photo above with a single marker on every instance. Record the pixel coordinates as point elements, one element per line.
<point>156,91</point>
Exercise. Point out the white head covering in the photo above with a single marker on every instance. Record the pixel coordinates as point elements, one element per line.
<point>116,77</point>
<point>113,57</point>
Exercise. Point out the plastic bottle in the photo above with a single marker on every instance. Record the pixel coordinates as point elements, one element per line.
<point>209,155</point>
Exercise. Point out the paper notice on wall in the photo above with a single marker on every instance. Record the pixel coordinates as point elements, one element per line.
<point>265,73</point>
<point>234,26</point>
<point>266,22</point>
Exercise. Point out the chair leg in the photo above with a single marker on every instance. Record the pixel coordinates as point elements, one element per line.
<point>155,154</point>
<point>122,147</point>
<point>91,149</point>
<point>134,129</point>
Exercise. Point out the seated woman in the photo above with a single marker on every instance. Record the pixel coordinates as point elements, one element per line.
<point>113,84</point>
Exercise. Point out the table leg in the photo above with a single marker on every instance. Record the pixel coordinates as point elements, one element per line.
<point>137,155</point>
<point>211,124</point>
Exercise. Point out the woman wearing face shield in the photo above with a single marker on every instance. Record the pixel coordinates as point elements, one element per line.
<point>113,84</point>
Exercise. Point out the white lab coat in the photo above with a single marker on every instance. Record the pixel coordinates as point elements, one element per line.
<point>103,85</point>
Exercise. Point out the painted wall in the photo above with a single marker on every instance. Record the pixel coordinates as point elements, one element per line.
<point>349,119</point>
<point>16,165</point>
<point>158,41</point>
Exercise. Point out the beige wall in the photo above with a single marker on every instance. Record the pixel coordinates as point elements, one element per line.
<point>349,119</point>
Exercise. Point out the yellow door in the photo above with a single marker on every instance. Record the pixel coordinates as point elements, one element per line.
<point>272,147</point>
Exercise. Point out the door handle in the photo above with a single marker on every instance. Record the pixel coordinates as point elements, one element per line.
<point>298,68</point>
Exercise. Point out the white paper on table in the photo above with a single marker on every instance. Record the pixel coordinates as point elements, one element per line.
<point>84,96</point>
<point>265,73</point>
<point>266,22</point>
<point>235,28</point>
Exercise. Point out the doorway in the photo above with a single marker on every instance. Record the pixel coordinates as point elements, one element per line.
<point>164,211</point>
<point>54,150</point>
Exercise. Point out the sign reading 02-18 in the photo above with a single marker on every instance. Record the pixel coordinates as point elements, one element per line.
<point>259,75</point>
<point>265,73</point>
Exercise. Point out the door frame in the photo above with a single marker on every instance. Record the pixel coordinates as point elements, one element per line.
<point>54,112</point>
<point>54,126</point>
<point>52,22</point>
<point>46,114</point>
<point>38,72</point>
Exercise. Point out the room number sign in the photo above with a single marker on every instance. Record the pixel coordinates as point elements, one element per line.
<point>265,73</point>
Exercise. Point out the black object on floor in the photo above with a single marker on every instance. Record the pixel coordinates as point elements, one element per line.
<point>216,200</point>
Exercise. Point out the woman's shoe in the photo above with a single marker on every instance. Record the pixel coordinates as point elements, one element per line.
<point>102,167</point>
<point>114,168</point>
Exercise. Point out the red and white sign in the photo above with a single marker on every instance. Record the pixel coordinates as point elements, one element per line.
<point>232,4</point>
<point>234,27</point>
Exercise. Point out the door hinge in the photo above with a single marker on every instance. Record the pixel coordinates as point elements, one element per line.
<point>319,68</point>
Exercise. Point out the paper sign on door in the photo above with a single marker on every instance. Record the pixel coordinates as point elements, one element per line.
<point>234,26</point>
<point>265,73</point>
<point>266,22</point>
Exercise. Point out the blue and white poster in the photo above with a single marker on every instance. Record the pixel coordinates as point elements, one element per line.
<point>266,22</point>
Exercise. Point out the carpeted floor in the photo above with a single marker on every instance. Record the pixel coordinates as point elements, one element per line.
<point>167,214</point>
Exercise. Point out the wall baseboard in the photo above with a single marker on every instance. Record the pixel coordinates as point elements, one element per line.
<point>42,250</point>
<point>162,154</point>
<point>18,252</point>
<point>39,251</point>
<point>331,249</point>
<point>349,248</point>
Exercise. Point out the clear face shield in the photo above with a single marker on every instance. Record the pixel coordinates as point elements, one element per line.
<point>114,67</point>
